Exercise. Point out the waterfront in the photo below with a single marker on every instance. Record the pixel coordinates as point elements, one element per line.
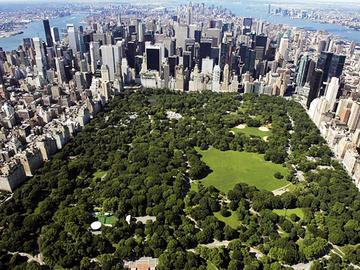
<point>260,9</point>
<point>36,28</point>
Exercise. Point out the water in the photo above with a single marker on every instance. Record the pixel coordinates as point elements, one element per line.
<point>259,10</point>
<point>36,29</point>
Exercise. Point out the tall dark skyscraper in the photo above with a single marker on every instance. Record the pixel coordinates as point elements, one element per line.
<point>331,64</point>
<point>153,58</point>
<point>336,66</point>
<point>197,35</point>
<point>131,53</point>
<point>323,63</point>
<point>247,23</point>
<point>260,46</point>
<point>205,49</point>
<point>315,83</point>
<point>1,77</point>
<point>49,41</point>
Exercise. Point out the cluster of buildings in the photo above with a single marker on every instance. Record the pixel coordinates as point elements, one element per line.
<point>328,80</point>
<point>51,88</point>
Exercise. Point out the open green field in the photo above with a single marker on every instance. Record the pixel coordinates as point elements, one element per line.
<point>232,167</point>
<point>232,220</point>
<point>211,266</point>
<point>99,174</point>
<point>106,220</point>
<point>287,212</point>
<point>251,131</point>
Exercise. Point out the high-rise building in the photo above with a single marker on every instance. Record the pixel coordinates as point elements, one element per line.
<point>49,39</point>
<point>315,83</point>
<point>153,57</point>
<point>336,66</point>
<point>1,76</point>
<point>247,23</point>
<point>73,36</point>
<point>189,15</point>
<point>331,92</point>
<point>110,56</point>
<point>181,34</point>
<point>284,45</point>
<point>205,50</point>
<point>303,70</point>
<point>60,70</point>
<point>40,57</point>
<point>260,46</point>
<point>55,34</point>
<point>324,62</point>
<point>207,65</point>
<point>197,36</point>
<point>354,119</point>
<point>216,79</point>
<point>94,55</point>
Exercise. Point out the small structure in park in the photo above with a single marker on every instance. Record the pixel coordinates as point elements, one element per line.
<point>95,226</point>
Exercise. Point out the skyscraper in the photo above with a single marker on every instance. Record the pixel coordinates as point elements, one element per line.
<point>40,57</point>
<point>247,23</point>
<point>49,40</point>
<point>205,50</point>
<point>323,63</point>
<point>331,92</point>
<point>315,83</point>
<point>55,34</point>
<point>73,37</point>
<point>94,55</point>
<point>1,76</point>
<point>189,15</point>
<point>284,44</point>
<point>110,56</point>
<point>153,57</point>
<point>303,70</point>
<point>181,34</point>
<point>336,66</point>
<point>354,118</point>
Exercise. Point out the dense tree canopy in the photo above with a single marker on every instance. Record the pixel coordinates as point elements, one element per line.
<point>148,162</point>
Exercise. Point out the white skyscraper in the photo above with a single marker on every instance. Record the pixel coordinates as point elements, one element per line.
<point>60,70</point>
<point>94,55</point>
<point>216,79</point>
<point>181,34</point>
<point>331,92</point>
<point>207,66</point>
<point>111,55</point>
<point>40,57</point>
<point>284,45</point>
<point>73,37</point>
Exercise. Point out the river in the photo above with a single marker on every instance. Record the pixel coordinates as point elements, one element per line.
<point>36,29</point>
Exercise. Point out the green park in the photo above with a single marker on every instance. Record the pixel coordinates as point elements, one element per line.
<point>232,167</point>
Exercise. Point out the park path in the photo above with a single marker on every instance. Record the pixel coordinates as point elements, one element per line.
<point>37,258</point>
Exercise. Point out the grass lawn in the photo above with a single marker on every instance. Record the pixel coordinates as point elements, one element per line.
<point>287,212</point>
<point>211,266</point>
<point>106,220</point>
<point>232,167</point>
<point>232,220</point>
<point>99,174</point>
<point>251,131</point>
